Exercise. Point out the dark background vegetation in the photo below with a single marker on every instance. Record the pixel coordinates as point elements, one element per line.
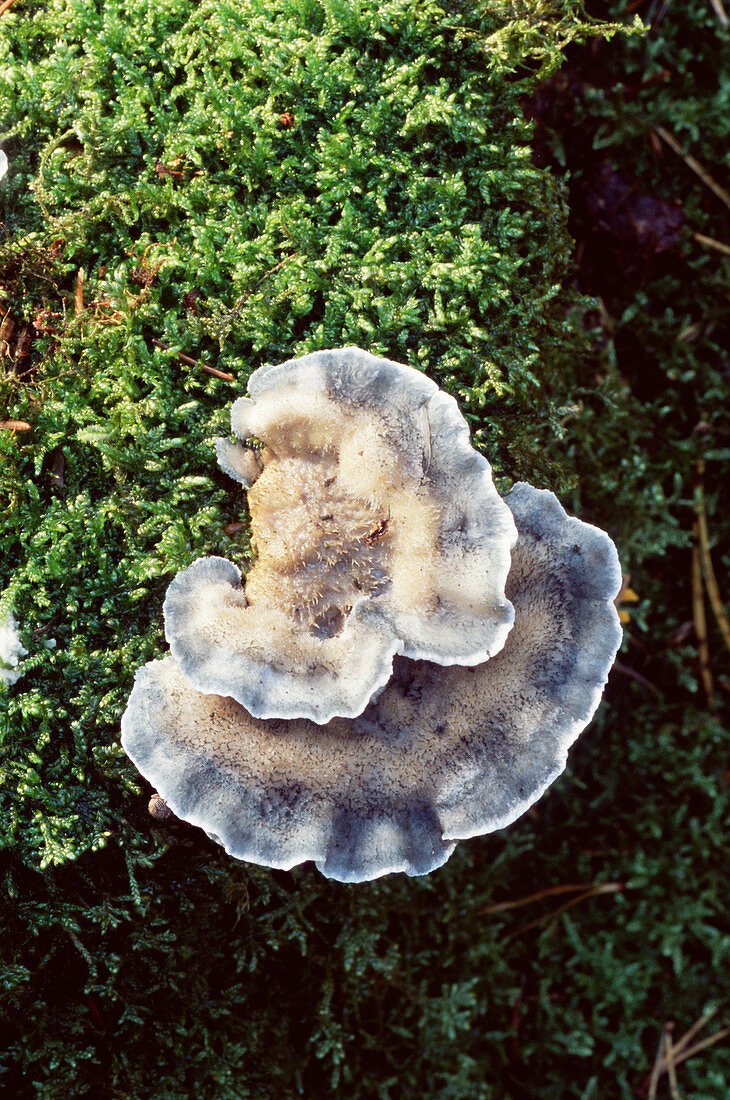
<point>483,190</point>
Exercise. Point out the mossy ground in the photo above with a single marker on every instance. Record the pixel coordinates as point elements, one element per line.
<point>243,183</point>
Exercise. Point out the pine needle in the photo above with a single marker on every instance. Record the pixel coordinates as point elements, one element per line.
<point>671,1067</point>
<point>719,9</point>
<point>700,621</point>
<point>657,1067</point>
<point>550,892</point>
<point>710,242</point>
<point>708,571</point>
<point>694,164</point>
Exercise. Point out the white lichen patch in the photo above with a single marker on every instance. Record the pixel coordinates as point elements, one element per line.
<point>377,530</point>
<point>11,649</point>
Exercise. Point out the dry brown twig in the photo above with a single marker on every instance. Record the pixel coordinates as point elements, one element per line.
<point>627,670</point>
<point>708,570</point>
<point>550,892</point>
<point>584,891</point>
<point>4,7</point>
<point>670,1054</point>
<point>690,1033</point>
<point>710,242</point>
<point>700,620</point>
<point>689,1052</point>
<point>190,362</point>
<point>656,1068</point>
<point>671,1065</point>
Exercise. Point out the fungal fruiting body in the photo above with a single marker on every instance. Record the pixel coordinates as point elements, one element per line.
<point>378,531</point>
<point>441,749</point>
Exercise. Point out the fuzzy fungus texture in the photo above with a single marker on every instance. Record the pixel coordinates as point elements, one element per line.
<point>378,532</point>
<point>11,649</point>
<point>441,754</point>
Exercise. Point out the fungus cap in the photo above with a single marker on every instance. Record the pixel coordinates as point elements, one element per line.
<point>443,753</point>
<point>378,531</point>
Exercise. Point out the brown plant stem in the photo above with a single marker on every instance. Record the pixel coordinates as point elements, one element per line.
<point>596,891</point>
<point>700,621</point>
<point>550,892</point>
<point>190,362</point>
<point>708,571</point>
<point>710,242</point>
<point>694,165</point>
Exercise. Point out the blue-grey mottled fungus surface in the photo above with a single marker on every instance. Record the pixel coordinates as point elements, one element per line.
<point>441,754</point>
<point>378,531</point>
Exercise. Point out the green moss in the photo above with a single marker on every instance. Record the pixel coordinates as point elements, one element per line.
<point>398,208</point>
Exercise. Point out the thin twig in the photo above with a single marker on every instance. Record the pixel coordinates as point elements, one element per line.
<point>719,246</point>
<point>689,1035</point>
<point>656,1068</point>
<point>720,12</point>
<point>550,892</point>
<point>698,614</point>
<point>195,363</point>
<point>286,260</point>
<point>679,1051</point>
<point>671,1066</point>
<point>4,7</point>
<point>708,571</point>
<point>694,164</point>
<point>626,670</point>
<point>689,1052</point>
<point>702,1045</point>
<point>595,891</point>
<point>656,20</point>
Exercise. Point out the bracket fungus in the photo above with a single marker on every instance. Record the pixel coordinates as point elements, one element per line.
<point>445,749</point>
<point>440,755</point>
<point>378,531</point>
